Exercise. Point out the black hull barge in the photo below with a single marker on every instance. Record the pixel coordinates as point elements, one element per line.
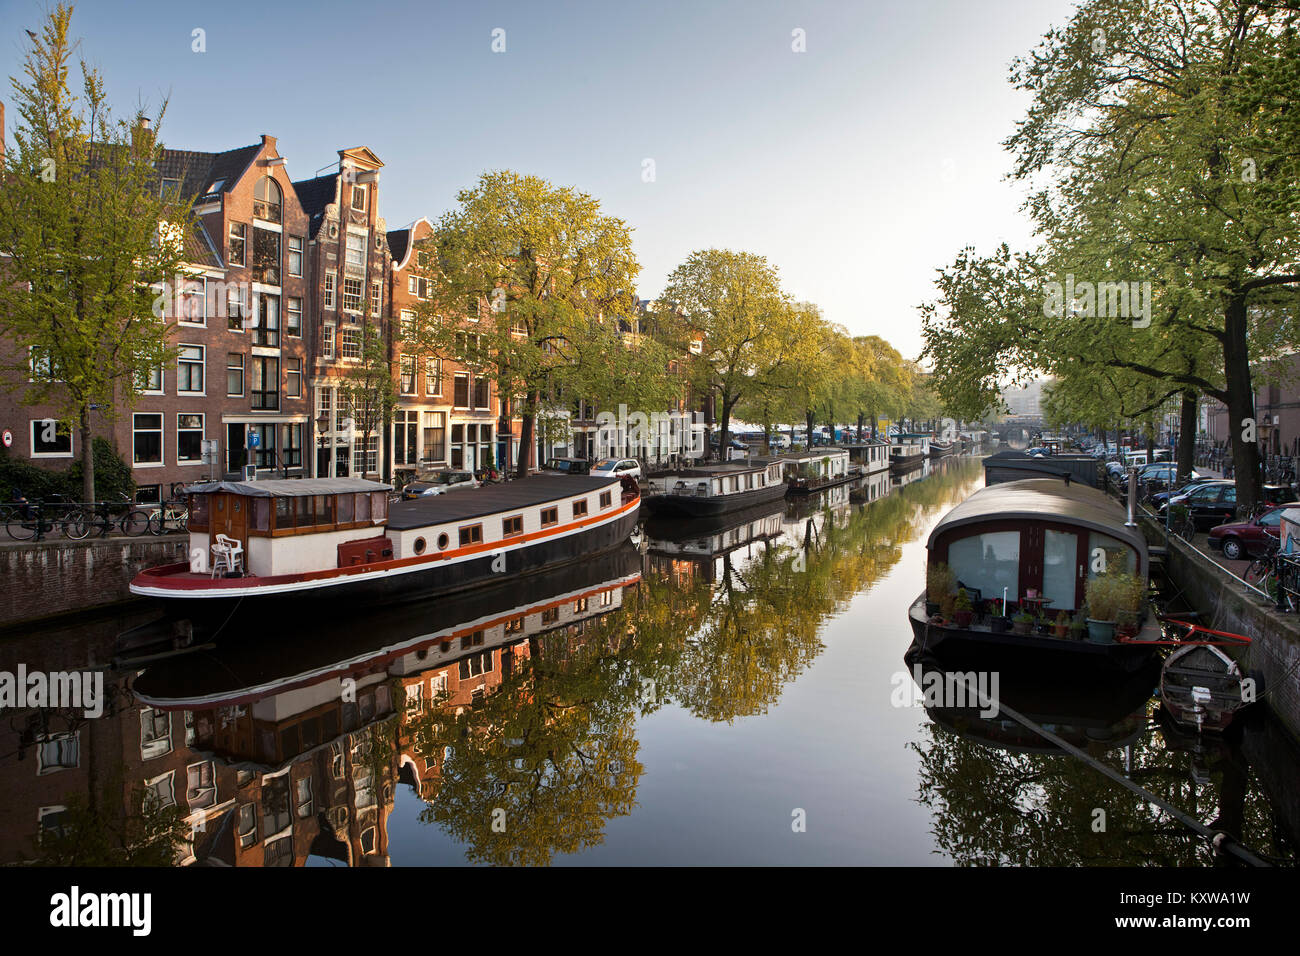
<point>709,491</point>
<point>307,540</point>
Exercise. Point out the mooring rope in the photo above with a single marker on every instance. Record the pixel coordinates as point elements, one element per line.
<point>1220,840</point>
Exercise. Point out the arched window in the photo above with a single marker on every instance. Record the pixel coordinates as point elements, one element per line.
<point>266,200</point>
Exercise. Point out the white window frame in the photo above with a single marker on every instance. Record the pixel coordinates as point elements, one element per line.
<point>360,295</point>
<point>150,782</point>
<point>243,375</point>
<point>289,310</point>
<point>290,252</point>
<point>433,371</point>
<point>193,802</point>
<point>359,189</point>
<point>162,440</point>
<point>329,290</point>
<point>41,768</point>
<point>328,343</point>
<point>31,438</point>
<point>203,434</point>
<point>202,362</point>
<point>289,375</point>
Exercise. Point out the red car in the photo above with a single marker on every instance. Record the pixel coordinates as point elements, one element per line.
<point>1251,539</point>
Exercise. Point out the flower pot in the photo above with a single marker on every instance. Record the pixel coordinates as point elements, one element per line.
<point>999,624</point>
<point>1061,630</point>
<point>1101,632</point>
<point>961,618</point>
<point>1022,627</point>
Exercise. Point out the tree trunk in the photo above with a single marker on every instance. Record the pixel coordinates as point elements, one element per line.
<point>1241,404</point>
<point>1186,437</point>
<point>808,424</point>
<point>724,426</point>
<point>861,419</point>
<point>525,438</point>
<point>87,456</point>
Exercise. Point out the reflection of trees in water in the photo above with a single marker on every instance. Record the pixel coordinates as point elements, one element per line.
<point>538,766</point>
<point>760,627</point>
<point>996,807</point>
<point>553,750</point>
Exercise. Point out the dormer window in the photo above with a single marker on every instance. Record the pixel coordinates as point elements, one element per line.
<point>267,200</point>
<point>359,197</point>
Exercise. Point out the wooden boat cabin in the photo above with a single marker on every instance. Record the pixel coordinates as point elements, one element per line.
<point>715,489</point>
<point>812,470</point>
<point>341,534</point>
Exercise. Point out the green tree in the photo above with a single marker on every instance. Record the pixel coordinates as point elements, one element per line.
<point>87,237</point>
<point>368,390</point>
<point>529,283</point>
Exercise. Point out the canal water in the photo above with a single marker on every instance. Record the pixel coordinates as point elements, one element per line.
<point>729,692</point>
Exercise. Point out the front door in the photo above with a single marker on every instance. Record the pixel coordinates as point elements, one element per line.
<point>230,517</point>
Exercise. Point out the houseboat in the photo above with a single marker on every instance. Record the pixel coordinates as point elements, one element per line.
<point>871,456</point>
<point>908,451</point>
<point>716,489</point>
<point>342,538</point>
<point>1029,547</point>
<point>942,449</point>
<point>806,472</point>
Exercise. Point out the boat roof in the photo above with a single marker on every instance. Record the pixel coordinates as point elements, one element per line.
<point>1039,499</point>
<point>288,487</point>
<point>825,453</point>
<point>493,499</point>
<point>719,470</point>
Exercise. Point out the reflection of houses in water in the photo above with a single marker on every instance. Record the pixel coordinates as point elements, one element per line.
<point>297,756</point>
<point>872,488</point>
<point>692,549</point>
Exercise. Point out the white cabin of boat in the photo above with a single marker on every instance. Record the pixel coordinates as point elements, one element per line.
<point>719,481</point>
<point>1041,534</point>
<point>871,454</point>
<point>815,467</point>
<point>909,445</point>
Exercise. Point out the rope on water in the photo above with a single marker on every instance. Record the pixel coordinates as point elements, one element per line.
<point>1220,840</point>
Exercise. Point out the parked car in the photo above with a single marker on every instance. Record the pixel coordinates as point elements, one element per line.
<point>1250,539</point>
<point>437,483</point>
<point>1211,505</point>
<point>1162,471</point>
<point>1161,498</point>
<point>779,442</point>
<point>568,466</point>
<point>616,468</point>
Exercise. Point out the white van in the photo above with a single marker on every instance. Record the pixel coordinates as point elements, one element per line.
<point>1135,458</point>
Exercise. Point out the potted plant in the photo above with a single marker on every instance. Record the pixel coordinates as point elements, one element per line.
<point>1130,594</point>
<point>947,606</point>
<point>1022,623</point>
<point>962,613</point>
<point>1078,627</point>
<point>1062,626</point>
<point>940,580</point>
<point>1102,599</point>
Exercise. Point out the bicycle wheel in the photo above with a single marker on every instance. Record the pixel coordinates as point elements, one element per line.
<point>135,523</point>
<point>156,522</point>
<point>1256,571</point>
<point>77,525</point>
<point>1188,531</point>
<point>183,520</point>
<point>20,528</point>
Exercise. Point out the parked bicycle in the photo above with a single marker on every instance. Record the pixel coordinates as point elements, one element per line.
<point>30,520</point>
<point>1278,576</point>
<point>100,516</point>
<point>175,513</point>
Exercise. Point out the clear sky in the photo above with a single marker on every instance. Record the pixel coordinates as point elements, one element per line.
<point>857,167</point>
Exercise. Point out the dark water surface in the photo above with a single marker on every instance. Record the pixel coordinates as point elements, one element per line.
<point>717,692</point>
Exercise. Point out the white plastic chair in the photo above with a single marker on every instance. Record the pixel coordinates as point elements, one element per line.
<point>227,555</point>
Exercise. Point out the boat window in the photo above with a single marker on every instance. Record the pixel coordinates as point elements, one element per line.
<point>443,541</point>
<point>420,545</point>
<point>305,514</point>
<point>198,511</point>
<point>606,499</point>
<point>471,534</point>
<point>284,512</point>
<point>550,516</point>
<point>580,507</point>
<point>988,562</point>
<point>512,526</point>
<point>345,503</point>
<point>262,514</point>
<point>363,507</point>
<point>1060,560</point>
<point>378,505</point>
<point>324,509</point>
<point>1119,556</point>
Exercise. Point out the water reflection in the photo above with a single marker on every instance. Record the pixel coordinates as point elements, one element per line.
<point>509,726</point>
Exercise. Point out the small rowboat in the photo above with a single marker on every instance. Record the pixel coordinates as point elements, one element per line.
<point>1202,687</point>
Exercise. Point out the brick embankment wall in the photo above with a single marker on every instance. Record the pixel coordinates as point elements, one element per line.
<point>49,578</point>
<point>1225,604</point>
